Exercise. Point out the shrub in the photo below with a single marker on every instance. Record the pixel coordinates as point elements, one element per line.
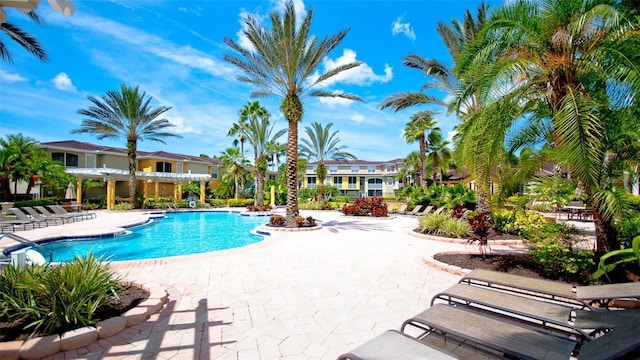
<point>458,228</point>
<point>32,203</point>
<point>277,220</point>
<point>311,221</point>
<point>628,228</point>
<point>458,212</point>
<point>55,299</point>
<point>612,259</point>
<point>518,222</point>
<point>374,206</point>
<point>240,202</point>
<point>218,202</point>
<point>258,208</point>
<point>480,226</point>
<point>558,259</point>
<point>299,221</point>
<point>431,223</point>
<point>123,206</point>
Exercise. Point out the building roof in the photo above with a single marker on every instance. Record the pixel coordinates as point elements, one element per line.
<point>98,149</point>
<point>357,162</point>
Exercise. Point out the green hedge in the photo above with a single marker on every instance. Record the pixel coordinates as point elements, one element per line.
<point>240,202</point>
<point>32,203</point>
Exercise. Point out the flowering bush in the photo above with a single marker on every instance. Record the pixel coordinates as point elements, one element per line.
<point>258,208</point>
<point>277,220</point>
<point>299,221</point>
<point>374,206</point>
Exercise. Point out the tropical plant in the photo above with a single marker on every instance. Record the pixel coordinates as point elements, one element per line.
<point>22,38</point>
<point>613,259</point>
<point>233,161</point>
<point>374,206</point>
<point>55,299</point>
<point>259,134</point>
<point>415,131</point>
<point>320,145</point>
<point>562,72</point>
<point>283,61</point>
<point>127,114</point>
<point>440,154</point>
<point>481,227</point>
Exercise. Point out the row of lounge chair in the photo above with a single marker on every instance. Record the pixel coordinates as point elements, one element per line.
<point>419,210</point>
<point>28,218</point>
<point>515,317</point>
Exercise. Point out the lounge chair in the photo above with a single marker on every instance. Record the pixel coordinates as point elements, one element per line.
<point>552,316</point>
<point>6,224</point>
<point>511,340</point>
<point>414,211</point>
<point>491,332</point>
<point>427,210</point>
<point>554,290</point>
<point>36,215</point>
<point>402,209</point>
<point>40,222</point>
<point>60,210</point>
<point>69,217</point>
<point>604,295</point>
<point>439,210</point>
<point>394,345</point>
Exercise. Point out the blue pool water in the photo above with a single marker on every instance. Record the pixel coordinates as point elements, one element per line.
<point>177,234</point>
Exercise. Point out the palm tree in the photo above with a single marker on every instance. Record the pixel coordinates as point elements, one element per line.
<point>274,151</point>
<point>259,134</point>
<point>456,37</point>
<point>440,154</point>
<point>412,164</point>
<point>126,114</point>
<point>232,160</point>
<point>17,151</point>
<point>250,110</point>
<point>415,131</point>
<point>322,144</point>
<point>284,62</point>
<point>22,38</point>
<point>561,65</point>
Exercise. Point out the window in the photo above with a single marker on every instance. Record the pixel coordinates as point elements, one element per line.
<point>337,181</point>
<point>353,182</point>
<point>371,169</point>
<point>70,160</point>
<point>390,181</point>
<point>311,182</point>
<point>89,161</point>
<point>333,169</point>
<point>391,168</point>
<point>179,168</point>
<point>163,167</point>
<point>355,169</point>
<point>214,172</point>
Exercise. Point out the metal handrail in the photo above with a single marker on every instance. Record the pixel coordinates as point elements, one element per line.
<point>25,241</point>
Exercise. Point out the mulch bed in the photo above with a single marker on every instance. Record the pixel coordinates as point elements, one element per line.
<point>129,297</point>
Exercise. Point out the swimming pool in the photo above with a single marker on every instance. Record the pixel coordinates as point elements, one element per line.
<point>182,233</point>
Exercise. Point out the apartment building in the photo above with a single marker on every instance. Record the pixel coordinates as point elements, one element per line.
<point>159,173</point>
<point>358,177</point>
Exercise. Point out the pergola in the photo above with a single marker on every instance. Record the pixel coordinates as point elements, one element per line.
<point>111,176</point>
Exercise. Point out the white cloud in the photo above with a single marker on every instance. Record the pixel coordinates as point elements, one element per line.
<point>180,127</point>
<point>356,117</point>
<point>63,82</point>
<point>362,75</point>
<point>11,77</point>
<point>398,27</point>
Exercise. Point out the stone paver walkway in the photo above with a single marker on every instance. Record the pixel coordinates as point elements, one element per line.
<point>296,295</point>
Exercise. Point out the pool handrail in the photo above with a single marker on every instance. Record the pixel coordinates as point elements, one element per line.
<point>28,242</point>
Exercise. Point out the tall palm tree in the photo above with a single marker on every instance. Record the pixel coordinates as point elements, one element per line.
<point>320,145</point>
<point>439,153</point>
<point>126,113</point>
<point>260,134</point>
<point>284,61</point>
<point>456,37</point>
<point>412,164</point>
<point>561,65</point>
<point>233,160</point>
<point>274,151</point>
<point>249,111</point>
<point>22,38</point>
<point>415,131</point>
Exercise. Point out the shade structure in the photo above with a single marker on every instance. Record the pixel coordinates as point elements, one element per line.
<point>70,193</point>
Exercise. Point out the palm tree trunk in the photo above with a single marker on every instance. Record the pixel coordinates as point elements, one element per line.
<point>606,234</point>
<point>423,161</point>
<point>435,167</point>
<point>235,181</point>
<point>131,154</point>
<point>292,109</point>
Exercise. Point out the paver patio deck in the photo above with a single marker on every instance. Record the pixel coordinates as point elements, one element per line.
<point>296,295</point>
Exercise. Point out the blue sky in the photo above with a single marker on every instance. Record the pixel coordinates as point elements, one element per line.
<point>173,50</point>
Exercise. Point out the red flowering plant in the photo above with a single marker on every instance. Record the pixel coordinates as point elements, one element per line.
<point>481,227</point>
<point>374,206</point>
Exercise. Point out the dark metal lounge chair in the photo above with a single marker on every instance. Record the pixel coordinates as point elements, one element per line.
<point>36,215</point>
<point>494,334</point>
<point>68,217</point>
<point>22,216</point>
<point>60,210</point>
<point>554,290</point>
<point>7,224</point>
<point>551,316</point>
<point>394,345</point>
<point>603,295</point>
